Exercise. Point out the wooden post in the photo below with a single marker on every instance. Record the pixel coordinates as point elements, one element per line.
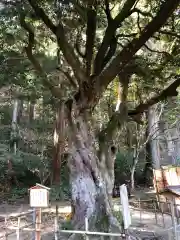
<point>86,228</point>
<point>140,211</point>
<point>173,220</point>
<point>155,211</point>
<point>38,224</point>
<point>18,230</point>
<point>5,223</point>
<point>56,224</point>
<point>34,223</point>
<point>176,211</point>
<point>169,235</point>
<point>162,213</point>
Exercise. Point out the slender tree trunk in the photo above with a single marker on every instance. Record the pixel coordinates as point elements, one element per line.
<point>20,110</point>
<point>133,169</point>
<point>147,172</point>
<point>148,163</point>
<point>14,125</point>
<point>31,111</point>
<point>153,125</point>
<point>177,143</point>
<point>135,156</point>
<point>132,178</point>
<point>130,149</point>
<point>58,143</point>
<point>13,141</point>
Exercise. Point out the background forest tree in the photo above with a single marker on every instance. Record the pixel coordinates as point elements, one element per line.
<point>80,72</point>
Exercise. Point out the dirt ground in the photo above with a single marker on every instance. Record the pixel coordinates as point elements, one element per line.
<point>144,222</point>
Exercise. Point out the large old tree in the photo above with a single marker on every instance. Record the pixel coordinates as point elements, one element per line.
<point>92,50</point>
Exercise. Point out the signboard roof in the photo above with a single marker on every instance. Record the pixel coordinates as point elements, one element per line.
<point>39,186</point>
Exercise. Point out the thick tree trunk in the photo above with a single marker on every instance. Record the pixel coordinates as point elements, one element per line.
<point>91,180</point>
<point>92,169</point>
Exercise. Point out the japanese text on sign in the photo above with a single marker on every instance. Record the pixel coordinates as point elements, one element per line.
<point>39,198</point>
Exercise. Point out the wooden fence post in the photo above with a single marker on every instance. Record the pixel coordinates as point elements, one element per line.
<point>5,223</point>
<point>38,224</point>
<point>18,230</point>
<point>86,227</point>
<point>56,224</point>
<point>173,220</point>
<point>140,213</point>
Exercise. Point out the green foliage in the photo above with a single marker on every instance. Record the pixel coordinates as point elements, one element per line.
<point>6,115</point>
<point>17,193</point>
<point>3,162</point>
<point>27,168</point>
<point>67,225</point>
<point>118,216</point>
<point>123,163</point>
<point>61,191</point>
<point>21,162</point>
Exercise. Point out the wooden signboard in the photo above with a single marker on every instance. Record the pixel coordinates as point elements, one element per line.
<point>39,196</point>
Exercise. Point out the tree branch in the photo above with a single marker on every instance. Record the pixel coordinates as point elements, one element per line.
<point>90,37</point>
<point>40,13</point>
<point>173,34</point>
<point>108,11</point>
<point>117,64</point>
<point>111,51</point>
<point>77,47</point>
<point>170,91</point>
<point>118,118</point>
<point>122,35</point>
<point>156,51</point>
<point>82,11</point>
<point>120,115</point>
<point>145,14</point>
<point>71,81</point>
<point>29,51</point>
<point>110,33</point>
<point>65,47</point>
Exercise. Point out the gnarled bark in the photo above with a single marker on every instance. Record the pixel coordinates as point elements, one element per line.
<point>91,183</point>
<point>92,174</point>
